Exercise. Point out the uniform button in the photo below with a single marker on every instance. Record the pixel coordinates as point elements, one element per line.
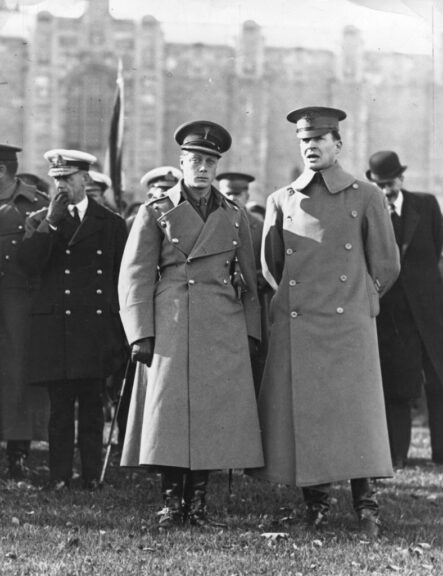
<point>191,282</point>
<point>343,278</point>
<point>35,199</point>
<point>291,191</point>
<point>294,314</point>
<point>27,212</point>
<point>67,251</point>
<point>99,271</point>
<point>237,225</point>
<point>235,208</point>
<point>348,246</point>
<point>99,291</point>
<point>354,213</point>
<point>355,185</point>
<point>99,252</point>
<point>292,282</point>
<point>235,243</point>
<point>99,311</point>
<point>67,271</point>
<point>20,227</point>
<point>289,251</point>
<point>175,240</point>
<point>289,218</point>
<point>7,257</point>
<point>189,261</point>
<point>227,262</point>
<point>225,281</point>
<point>68,292</point>
<point>163,224</point>
<point>68,312</point>
<point>14,242</point>
<point>340,310</point>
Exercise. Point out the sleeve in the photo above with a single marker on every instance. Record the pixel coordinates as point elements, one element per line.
<point>138,276</point>
<point>35,249</point>
<point>246,260</point>
<point>437,226</point>
<point>381,250</point>
<point>272,250</point>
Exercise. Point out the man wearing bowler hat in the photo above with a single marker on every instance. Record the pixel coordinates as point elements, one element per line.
<point>235,185</point>
<point>189,332</point>
<point>329,251</point>
<point>23,409</point>
<point>74,247</point>
<point>410,324</point>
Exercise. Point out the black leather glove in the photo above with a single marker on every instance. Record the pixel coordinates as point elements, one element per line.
<point>253,346</point>
<point>57,209</point>
<point>143,350</point>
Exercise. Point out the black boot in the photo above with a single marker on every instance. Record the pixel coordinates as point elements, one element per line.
<point>365,506</point>
<point>172,490</point>
<point>195,497</point>
<point>17,451</point>
<point>317,505</point>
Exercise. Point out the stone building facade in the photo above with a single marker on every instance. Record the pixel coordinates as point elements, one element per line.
<point>58,86</point>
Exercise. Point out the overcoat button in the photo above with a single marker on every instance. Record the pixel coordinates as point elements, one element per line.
<point>343,278</point>
<point>27,212</point>
<point>99,291</point>
<point>99,311</point>
<point>7,257</point>
<point>290,191</point>
<point>225,281</point>
<point>67,251</point>
<point>235,243</point>
<point>35,199</point>
<point>294,314</point>
<point>99,252</point>
<point>292,282</point>
<point>237,225</point>
<point>99,271</point>
<point>67,271</point>
<point>355,185</point>
<point>227,262</point>
<point>348,246</point>
<point>20,227</point>
<point>289,251</point>
<point>340,310</point>
<point>175,240</point>
<point>14,242</point>
<point>68,292</point>
<point>163,224</point>
<point>354,213</point>
<point>68,312</point>
<point>191,282</point>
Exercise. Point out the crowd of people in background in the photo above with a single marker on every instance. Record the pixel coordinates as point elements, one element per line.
<point>288,342</point>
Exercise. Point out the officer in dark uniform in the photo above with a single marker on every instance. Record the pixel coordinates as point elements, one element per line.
<point>75,246</point>
<point>235,185</point>
<point>23,410</point>
<point>97,186</point>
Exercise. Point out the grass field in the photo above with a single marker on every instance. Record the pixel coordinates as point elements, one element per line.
<point>112,531</point>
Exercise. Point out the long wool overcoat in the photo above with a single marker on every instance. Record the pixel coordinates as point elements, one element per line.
<point>76,332</point>
<point>329,250</point>
<point>195,406</point>
<point>23,409</point>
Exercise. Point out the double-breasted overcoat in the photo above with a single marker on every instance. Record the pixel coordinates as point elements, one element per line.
<point>76,327</point>
<point>329,250</point>
<point>23,409</point>
<point>195,406</point>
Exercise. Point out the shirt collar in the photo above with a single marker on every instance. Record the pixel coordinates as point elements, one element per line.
<point>335,178</point>
<point>398,203</point>
<point>81,207</point>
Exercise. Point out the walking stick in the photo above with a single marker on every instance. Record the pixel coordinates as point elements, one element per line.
<point>114,420</point>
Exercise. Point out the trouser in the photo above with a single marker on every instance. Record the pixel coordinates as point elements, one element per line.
<point>18,448</point>
<point>181,485</point>
<point>398,417</point>
<point>63,396</point>
<point>434,400</point>
<point>363,496</point>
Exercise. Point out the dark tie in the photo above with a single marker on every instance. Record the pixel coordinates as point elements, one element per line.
<point>396,224</point>
<point>76,217</point>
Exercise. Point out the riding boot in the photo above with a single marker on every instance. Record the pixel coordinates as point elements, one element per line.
<point>172,491</point>
<point>195,497</point>
<point>317,505</point>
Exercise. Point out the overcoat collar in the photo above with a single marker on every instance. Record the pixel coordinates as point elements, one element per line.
<point>410,217</point>
<point>335,178</point>
<point>193,236</point>
<point>27,191</point>
<point>91,223</point>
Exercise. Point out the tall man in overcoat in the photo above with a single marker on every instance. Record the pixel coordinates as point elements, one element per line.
<point>410,323</point>
<point>75,247</point>
<point>23,409</point>
<point>329,250</point>
<point>189,330</point>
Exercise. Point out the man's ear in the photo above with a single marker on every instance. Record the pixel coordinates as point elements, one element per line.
<point>3,170</point>
<point>339,145</point>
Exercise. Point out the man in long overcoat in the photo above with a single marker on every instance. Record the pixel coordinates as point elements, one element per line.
<point>23,409</point>
<point>410,323</point>
<point>189,330</point>
<point>75,247</point>
<point>235,185</point>
<point>329,250</point>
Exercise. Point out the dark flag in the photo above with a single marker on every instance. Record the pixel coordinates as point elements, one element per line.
<point>115,144</point>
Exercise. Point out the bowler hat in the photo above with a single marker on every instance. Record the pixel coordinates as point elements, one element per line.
<point>384,166</point>
<point>203,136</point>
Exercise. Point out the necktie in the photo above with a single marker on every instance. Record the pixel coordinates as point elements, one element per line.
<point>76,217</point>
<point>396,224</point>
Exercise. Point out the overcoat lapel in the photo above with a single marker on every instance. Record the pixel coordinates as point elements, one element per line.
<point>410,220</point>
<point>182,226</point>
<point>218,234</point>
<point>91,224</point>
